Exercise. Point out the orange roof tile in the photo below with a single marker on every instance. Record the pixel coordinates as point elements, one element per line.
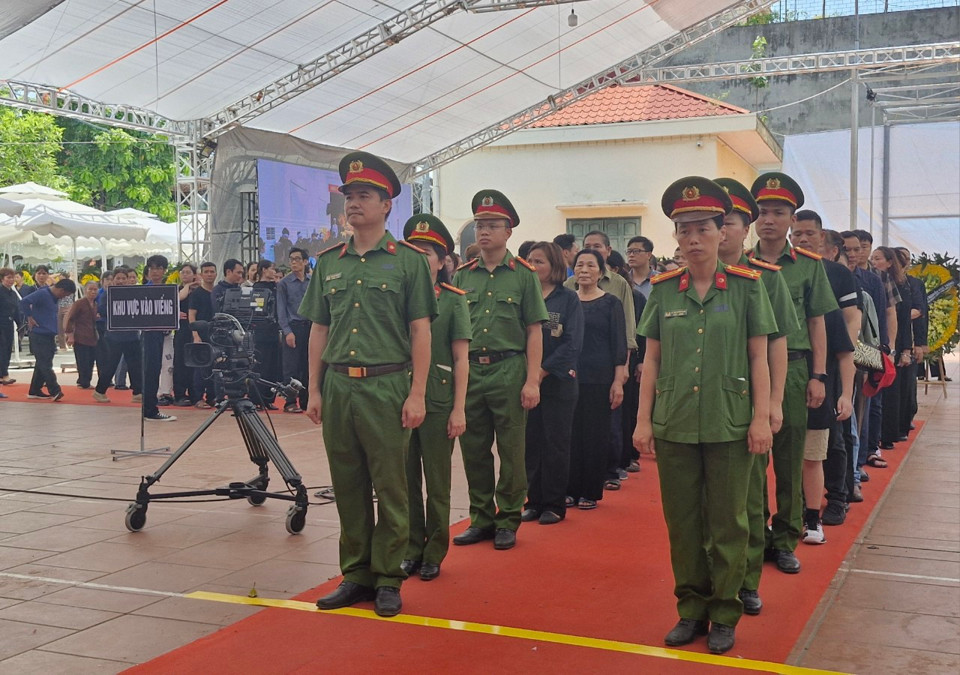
<point>638,103</point>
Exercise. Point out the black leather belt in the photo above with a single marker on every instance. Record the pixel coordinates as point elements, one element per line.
<point>796,354</point>
<point>486,358</point>
<point>369,371</point>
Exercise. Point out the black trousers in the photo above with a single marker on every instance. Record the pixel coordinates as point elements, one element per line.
<point>152,362</point>
<point>631,400</point>
<point>908,397</point>
<point>836,466</point>
<point>86,356</point>
<point>547,459</point>
<point>7,336</point>
<point>130,350</point>
<point>295,360</point>
<point>590,442</point>
<point>182,373</point>
<point>890,426</point>
<point>267,347</point>
<point>43,347</point>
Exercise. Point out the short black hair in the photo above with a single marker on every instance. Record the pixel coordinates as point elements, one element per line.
<point>206,264</point>
<point>850,234</point>
<point>615,259</point>
<point>834,239</point>
<point>192,267</point>
<point>41,268</point>
<point>643,241</point>
<point>525,247</point>
<point>66,285</point>
<point>230,264</point>
<point>157,261</point>
<point>303,254</point>
<point>595,254</point>
<point>598,233</point>
<point>807,214</point>
<point>565,241</point>
<point>864,236</point>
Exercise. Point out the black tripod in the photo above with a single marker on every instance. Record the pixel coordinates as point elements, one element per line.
<point>262,447</point>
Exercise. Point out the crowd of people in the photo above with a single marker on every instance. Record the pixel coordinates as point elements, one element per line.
<point>568,361</point>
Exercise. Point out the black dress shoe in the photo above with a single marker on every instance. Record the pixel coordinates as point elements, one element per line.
<point>864,476</point>
<point>388,601</point>
<point>685,632</point>
<point>346,594</point>
<point>886,446</point>
<point>504,539</point>
<point>787,562</point>
<point>550,518</point>
<point>902,438</point>
<point>473,535</point>
<point>720,639</point>
<point>529,515</point>
<point>751,601</point>
<point>411,567</point>
<point>429,571</point>
<point>856,495</point>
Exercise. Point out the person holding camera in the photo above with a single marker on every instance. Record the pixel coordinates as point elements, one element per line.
<point>371,301</point>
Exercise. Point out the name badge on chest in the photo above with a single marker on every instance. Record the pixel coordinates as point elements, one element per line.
<point>674,313</point>
<point>333,277</point>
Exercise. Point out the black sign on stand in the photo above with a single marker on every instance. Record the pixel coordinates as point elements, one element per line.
<point>146,308</point>
<point>143,307</point>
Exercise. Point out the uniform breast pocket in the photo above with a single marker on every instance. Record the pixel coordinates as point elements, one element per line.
<point>508,307</point>
<point>384,294</point>
<point>440,385</point>
<point>335,294</point>
<point>737,407</point>
<point>664,399</point>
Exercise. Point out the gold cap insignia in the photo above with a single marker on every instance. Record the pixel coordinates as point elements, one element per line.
<point>691,193</point>
<point>773,183</point>
<point>486,201</point>
<point>356,166</point>
<point>725,189</point>
<point>423,226</point>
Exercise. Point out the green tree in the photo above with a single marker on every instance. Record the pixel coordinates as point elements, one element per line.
<point>29,143</point>
<point>114,169</point>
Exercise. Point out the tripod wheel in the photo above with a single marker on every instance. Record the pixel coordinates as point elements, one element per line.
<point>296,519</point>
<point>136,517</point>
<point>256,500</point>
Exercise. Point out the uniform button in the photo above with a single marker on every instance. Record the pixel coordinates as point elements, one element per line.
<point>491,276</point>
<point>698,350</point>
<point>355,330</point>
<point>489,293</point>
<point>486,311</point>
<point>483,349</point>
<point>509,299</point>
<point>359,281</point>
<point>353,352</point>
<point>744,392</point>
<point>484,330</point>
<point>332,291</point>
<point>356,304</point>
<point>701,311</point>
<point>443,381</point>
<point>700,330</point>
<point>658,392</point>
<point>696,388</point>
<point>383,285</point>
<point>696,370</point>
<point>363,260</point>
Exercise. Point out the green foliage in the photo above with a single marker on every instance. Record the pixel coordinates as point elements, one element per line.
<point>760,19</point>
<point>114,168</point>
<point>758,50</point>
<point>29,143</point>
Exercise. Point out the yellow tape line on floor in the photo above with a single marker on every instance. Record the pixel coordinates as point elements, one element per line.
<point>521,633</point>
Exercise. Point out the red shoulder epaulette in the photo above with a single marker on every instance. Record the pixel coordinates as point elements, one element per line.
<point>469,264</point>
<point>744,272</point>
<point>668,275</point>
<point>332,248</point>
<point>765,265</point>
<point>809,254</point>
<point>413,246</point>
<point>525,263</point>
<point>454,289</point>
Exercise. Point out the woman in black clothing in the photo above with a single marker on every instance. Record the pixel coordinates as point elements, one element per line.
<point>885,259</point>
<point>602,372</point>
<point>266,336</point>
<point>9,312</point>
<point>549,424</point>
<point>184,394</point>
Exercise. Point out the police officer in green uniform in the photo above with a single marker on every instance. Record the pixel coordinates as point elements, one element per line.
<point>506,310</point>
<point>704,409</point>
<point>428,458</point>
<point>736,226</point>
<point>371,301</point>
<point>778,197</point>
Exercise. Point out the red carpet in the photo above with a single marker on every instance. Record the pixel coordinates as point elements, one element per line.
<point>600,574</point>
<point>72,394</point>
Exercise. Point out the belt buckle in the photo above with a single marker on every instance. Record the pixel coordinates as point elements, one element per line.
<point>356,371</point>
<point>483,360</point>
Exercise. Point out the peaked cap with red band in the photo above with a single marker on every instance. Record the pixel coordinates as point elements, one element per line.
<point>776,186</point>
<point>742,200</point>
<point>428,228</point>
<point>694,198</point>
<point>366,169</point>
<point>493,204</point>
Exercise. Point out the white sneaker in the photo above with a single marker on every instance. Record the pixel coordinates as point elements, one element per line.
<point>100,398</point>
<point>814,535</point>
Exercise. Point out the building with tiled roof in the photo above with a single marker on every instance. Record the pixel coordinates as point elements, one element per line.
<point>604,161</point>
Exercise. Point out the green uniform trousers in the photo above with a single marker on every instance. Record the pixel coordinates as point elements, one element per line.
<point>703,488</point>
<point>367,448</point>
<point>756,521</point>
<point>787,452</point>
<point>493,407</point>
<point>428,460</point>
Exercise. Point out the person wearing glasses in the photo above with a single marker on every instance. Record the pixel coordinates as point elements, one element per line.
<point>506,311</point>
<point>295,328</point>
<point>639,256</point>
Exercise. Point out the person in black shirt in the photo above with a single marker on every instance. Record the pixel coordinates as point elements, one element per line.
<point>9,313</point>
<point>918,327</point>
<point>201,309</point>
<point>266,336</point>
<point>601,371</point>
<point>232,278</point>
<point>549,425</point>
<point>183,394</point>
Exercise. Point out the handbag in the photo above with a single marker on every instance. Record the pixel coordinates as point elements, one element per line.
<point>868,357</point>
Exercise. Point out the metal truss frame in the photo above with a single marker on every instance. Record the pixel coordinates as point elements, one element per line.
<point>625,71</point>
<point>194,168</point>
<point>349,54</point>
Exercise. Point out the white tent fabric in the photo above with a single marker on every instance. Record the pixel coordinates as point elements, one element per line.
<point>924,182</point>
<point>187,60</point>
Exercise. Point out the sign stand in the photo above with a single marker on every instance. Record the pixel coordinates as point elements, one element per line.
<point>142,308</point>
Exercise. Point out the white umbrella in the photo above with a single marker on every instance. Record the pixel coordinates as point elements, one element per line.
<point>31,190</point>
<point>10,208</point>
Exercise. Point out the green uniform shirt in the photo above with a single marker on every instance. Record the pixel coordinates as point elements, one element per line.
<point>703,391</point>
<point>809,289</point>
<point>779,296</point>
<point>452,323</point>
<point>369,300</point>
<point>618,286</point>
<point>502,303</point>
